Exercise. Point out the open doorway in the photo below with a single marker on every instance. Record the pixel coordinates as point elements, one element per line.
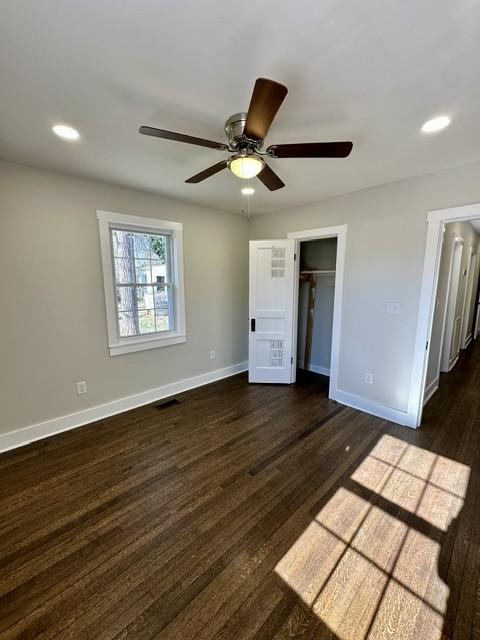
<point>328,256</point>
<point>316,296</point>
<point>449,300</point>
<point>274,291</point>
<point>453,318</point>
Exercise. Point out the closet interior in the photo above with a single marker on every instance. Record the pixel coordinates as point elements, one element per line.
<point>315,305</point>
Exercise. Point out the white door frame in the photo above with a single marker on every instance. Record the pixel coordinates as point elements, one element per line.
<point>436,220</point>
<point>339,232</point>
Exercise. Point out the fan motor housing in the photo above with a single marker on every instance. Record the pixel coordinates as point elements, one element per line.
<point>234,128</point>
<point>235,125</point>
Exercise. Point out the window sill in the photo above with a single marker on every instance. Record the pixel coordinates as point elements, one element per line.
<point>129,346</point>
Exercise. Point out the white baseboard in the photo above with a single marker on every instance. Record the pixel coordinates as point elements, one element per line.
<point>453,362</point>
<point>468,339</point>
<point>430,390</point>
<point>25,435</point>
<point>379,410</point>
<point>315,368</point>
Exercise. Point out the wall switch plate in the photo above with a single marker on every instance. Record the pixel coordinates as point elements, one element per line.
<point>213,355</point>
<point>369,378</point>
<point>81,388</point>
<point>393,307</point>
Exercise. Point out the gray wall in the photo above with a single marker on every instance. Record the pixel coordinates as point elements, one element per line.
<point>52,318</point>
<point>384,262</point>
<point>471,240</point>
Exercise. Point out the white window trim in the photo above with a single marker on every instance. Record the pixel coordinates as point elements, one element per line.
<point>116,344</point>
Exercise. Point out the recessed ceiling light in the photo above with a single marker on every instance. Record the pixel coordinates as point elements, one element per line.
<point>65,132</point>
<point>248,191</point>
<point>436,124</point>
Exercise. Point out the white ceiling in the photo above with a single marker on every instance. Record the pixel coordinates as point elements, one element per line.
<point>371,72</point>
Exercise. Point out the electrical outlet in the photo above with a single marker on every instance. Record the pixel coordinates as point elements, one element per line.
<point>81,388</point>
<point>213,355</point>
<point>369,378</point>
<point>393,307</point>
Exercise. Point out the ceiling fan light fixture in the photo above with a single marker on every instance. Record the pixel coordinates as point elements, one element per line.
<point>246,166</point>
<point>248,191</point>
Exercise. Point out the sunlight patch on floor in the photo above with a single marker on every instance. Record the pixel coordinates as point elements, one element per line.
<point>367,565</point>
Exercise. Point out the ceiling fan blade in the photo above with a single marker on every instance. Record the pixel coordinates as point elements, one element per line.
<point>267,97</point>
<point>270,178</point>
<point>311,150</point>
<point>203,175</point>
<point>180,137</point>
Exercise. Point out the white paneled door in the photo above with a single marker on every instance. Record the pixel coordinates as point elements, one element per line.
<point>271,310</point>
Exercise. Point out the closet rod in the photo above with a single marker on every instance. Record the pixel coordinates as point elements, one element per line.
<point>320,272</point>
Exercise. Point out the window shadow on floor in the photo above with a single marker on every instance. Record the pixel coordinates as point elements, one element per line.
<point>386,550</point>
<point>374,556</point>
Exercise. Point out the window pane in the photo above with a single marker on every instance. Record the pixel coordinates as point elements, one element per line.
<point>126,298</point>
<point>121,243</point>
<point>141,245</point>
<point>127,323</point>
<point>159,271</point>
<point>141,267</point>
<point>146,321</point>
<point>124,271</point>
<point>161,297</point>
<point>158,246</point>
<point>162,308</point>
<point>142,271</point>
<point>162,320</point>
<point>145,297</point>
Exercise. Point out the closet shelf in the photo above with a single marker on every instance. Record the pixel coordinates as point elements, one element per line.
<point>318,272</point>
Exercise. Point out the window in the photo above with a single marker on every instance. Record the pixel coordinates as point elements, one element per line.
<point>142,274</point>
<point>143,278</point>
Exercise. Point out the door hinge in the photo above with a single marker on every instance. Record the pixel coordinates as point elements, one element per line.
<point>291,360</point>
<point>294,256</point>
<point>426,346</point>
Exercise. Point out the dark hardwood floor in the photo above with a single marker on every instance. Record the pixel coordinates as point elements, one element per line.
<point>248,512</point>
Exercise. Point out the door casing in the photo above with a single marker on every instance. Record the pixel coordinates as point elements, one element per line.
<point>340,233</point>
<point>436,220</point>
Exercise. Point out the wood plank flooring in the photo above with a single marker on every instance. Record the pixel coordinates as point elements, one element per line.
<point>248,512</point>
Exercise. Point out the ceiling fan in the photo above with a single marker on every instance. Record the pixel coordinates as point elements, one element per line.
<point>245,134</point>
